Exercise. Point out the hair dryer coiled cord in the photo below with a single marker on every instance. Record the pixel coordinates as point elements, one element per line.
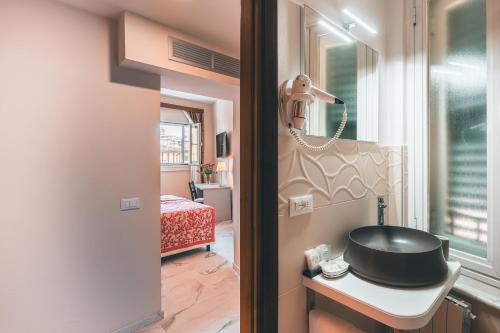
<point>296,135</point>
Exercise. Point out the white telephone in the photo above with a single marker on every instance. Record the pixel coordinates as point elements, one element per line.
<point>294,97</point>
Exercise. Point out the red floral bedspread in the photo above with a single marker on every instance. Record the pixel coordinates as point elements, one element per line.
<point>185,223</point>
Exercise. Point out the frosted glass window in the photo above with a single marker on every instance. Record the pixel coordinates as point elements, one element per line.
<point>457,111</point>
<point>342,81</point>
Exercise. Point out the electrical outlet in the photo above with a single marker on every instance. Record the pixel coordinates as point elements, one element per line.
<point>130,204</point>
<point>301,205</point>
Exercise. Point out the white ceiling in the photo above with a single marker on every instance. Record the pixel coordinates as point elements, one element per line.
<point>213,21</point>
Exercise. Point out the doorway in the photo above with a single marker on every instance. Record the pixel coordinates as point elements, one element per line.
<point>199,184</point>
<point>257,197</point>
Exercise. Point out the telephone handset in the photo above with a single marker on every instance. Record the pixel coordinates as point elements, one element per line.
<point>294,97</point>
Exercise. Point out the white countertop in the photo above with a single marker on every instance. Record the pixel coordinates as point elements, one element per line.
<point>401,308</point>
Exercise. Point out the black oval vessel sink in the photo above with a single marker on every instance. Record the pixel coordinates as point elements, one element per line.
<point>396,256</point>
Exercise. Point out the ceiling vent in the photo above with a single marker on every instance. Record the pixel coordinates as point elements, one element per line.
<point>194,55</point>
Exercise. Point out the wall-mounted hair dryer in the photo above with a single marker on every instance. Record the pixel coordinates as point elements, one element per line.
<point>295,96</point>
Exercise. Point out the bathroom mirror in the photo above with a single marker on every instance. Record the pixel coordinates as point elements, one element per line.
<point>345,67</point>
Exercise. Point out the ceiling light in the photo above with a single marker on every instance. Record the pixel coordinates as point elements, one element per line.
<point>460,64</point>
<point>336,31</point>
<point>455,4</point>
<point>447,72</point>
<point>359,21</point>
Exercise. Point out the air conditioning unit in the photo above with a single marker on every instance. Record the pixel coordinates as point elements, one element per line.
<point>194,55</point>
<point>151,47</point>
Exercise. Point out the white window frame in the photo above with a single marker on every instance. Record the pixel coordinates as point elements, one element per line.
<point>189,127</point>
<point>483,269</point>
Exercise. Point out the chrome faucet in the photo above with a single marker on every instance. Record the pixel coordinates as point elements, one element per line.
<point>381,206</point>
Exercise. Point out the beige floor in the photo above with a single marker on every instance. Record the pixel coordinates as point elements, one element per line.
<point>200,290</point>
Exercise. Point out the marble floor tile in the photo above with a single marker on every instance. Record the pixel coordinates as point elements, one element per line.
<point>200,290</point>
<point>225,241</point>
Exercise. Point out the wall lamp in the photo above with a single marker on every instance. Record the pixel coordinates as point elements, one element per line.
<point>335,31</point>
<point>359,21</point>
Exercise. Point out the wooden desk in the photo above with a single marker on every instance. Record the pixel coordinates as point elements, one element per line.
<point>218,197</point>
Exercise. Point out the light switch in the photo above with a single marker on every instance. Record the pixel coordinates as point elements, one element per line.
<point>301,205</point>
<point>130,203</point>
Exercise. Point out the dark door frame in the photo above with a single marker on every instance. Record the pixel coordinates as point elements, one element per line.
<point>259,167</point>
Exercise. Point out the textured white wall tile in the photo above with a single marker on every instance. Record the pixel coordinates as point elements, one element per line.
<point>344,182</point>
<point>349,170</point>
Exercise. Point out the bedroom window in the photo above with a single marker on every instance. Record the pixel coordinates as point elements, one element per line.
<point>179,144</point>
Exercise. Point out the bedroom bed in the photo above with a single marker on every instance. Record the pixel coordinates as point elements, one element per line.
<point>185,225</point>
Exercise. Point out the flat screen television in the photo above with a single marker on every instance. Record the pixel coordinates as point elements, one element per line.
<point>222,142</point>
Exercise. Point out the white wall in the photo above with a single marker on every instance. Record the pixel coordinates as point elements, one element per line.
<point>392,116</point>
<point>190,84</point>
<point>344,181</point>
<point>223,122</point>
<point>174,180</point>
<point>77,133</point>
